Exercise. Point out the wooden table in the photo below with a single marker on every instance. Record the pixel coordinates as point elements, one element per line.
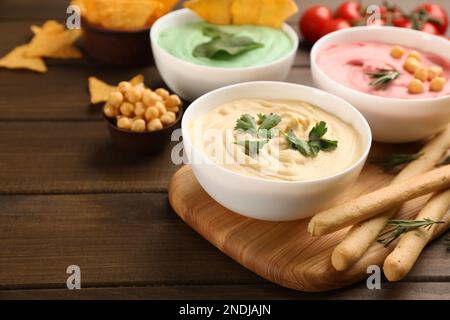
<point>68,197</point>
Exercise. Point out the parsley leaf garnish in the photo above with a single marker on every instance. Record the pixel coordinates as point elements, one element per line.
<point>263,132</point>
<point>315,144</point>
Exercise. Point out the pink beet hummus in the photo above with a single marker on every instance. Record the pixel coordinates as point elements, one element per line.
<point>349,63</point>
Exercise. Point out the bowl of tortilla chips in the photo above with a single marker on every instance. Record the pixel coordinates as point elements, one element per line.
<point>116,32</point>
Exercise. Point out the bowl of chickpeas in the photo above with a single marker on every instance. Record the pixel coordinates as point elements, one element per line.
<point>141,120</point>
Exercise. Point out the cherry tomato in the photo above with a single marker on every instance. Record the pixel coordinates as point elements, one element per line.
<point>350,11</point>
<point>401,22</point>
<point>425,27</point>
<point>437,13</point>
<point>430,28</point>
<point>334,25</point>
<point>312,22</point>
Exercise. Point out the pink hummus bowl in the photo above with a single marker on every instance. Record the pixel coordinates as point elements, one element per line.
<point>392,120</point>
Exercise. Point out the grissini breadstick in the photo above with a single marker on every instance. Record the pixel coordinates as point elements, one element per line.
<point>359,238</point>
<point>374,203</point>
<point>442,227</point>
<point>402,259</point>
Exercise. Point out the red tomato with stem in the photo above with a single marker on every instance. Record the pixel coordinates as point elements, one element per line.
<point>335,25</point>
<point>312,22</point>
<point>437,16</point>
<point>430,28</point>
<point>350,11</point>
<point>425,27</point>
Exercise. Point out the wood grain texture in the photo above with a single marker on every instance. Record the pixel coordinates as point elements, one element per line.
<point>283,253</point>
<point>134,240</point>
<point>74,157</point>
<point>389,291</point>
<point>116,239</point>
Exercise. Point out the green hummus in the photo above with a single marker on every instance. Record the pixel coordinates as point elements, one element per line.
<point>180,42</point>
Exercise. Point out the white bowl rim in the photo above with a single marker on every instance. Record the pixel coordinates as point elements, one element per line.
<point>160,23</point>
<point>339,174</point>
<point>314,52</point>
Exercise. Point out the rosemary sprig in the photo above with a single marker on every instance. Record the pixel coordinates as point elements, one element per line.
<point>391,161</point>
<point>382,78</point>
<point>400,227</point>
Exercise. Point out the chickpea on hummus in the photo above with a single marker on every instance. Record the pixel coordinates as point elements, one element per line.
<point>303,142</point>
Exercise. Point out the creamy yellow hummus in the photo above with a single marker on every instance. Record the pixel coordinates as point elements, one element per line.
<point>215,135</point>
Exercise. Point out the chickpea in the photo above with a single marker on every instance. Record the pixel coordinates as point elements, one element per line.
<point>124,123</point>
<point>174,109</point>
<point>173,101</point>
<point>434,72</point>
<point>437,84</point>
<point>163,93</point>
<point>415,86</point>
<point>139,109</point>
<point>161,107</point>
<point>154,125</point>
<point>150,98</point>
<point>127,109</point>
<point>138,125</point>
<point>416,55</point>
<point>133,95</point>
<point>411,64</point>
<point>168,118</point>
<point>124,86</point>
<point>421,73</point>
<point>115,98</point>
<point>397,52</point>
<point>151,113</point>
<point>110,111</point>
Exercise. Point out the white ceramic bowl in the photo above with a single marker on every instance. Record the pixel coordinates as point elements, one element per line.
<point>267,199</point>
<point>190,80</point>
<point>391,119</point>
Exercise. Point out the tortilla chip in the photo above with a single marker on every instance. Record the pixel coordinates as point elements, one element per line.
<point>166,6</point>
<point>213,11</point>
<point>120,14</point>
<point>99,90</point>
<point>17,59</point>
<point>70,52</point>
<point>51,40</point>
<point>274,12</point>
<point>48,26</point>
<point>137,79</point>
<point>246,11</point>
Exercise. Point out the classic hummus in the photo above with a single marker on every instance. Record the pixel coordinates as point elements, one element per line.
<point>180,42</point>
<point>351,63</point>
<point>214,133</point>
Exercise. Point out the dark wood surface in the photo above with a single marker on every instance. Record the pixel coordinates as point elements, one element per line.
<point>67,196</point>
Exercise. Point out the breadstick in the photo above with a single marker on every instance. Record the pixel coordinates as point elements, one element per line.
<point>374,203</point>
<point>398,264</point>
<point>442,227</point>
<point>359,238</point>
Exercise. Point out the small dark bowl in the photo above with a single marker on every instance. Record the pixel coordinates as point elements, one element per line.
<point>117,47</point>
<point>145,143</point>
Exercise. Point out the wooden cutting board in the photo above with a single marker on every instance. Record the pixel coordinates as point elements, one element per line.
<point>281,252</point>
